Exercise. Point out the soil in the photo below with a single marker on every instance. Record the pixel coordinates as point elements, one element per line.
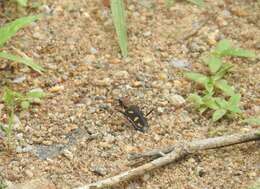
<point>76,136</point>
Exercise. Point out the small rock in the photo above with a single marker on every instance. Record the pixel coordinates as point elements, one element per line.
<point>19,79</point>
<point>115,61</point>
<point>157,138</point>
<point>38,35</point>
<point>200,171</point>
<point>71,127</point>
<point>25,149</point>
<point>47,142</point>
<point>163,76</point>
<point>28,173</point>
<point>226,13</point>
<point>109,138</point>
<point>56,88</point>
<point>16,122</point>
<point>221,21</point>
<point>103,82</point>
<point>19,136</point>
<point>89,59</point>
<point>68,154</point>
<point>121,74</point>
<point>137,84</point>
<point>148,59</point>
<point>160,109</point>
<point>213,37</point>
<point>179,63</point>
<point>98,169</point>
<point>93,50</point>
<point>46,9</point>
<point>146,177</point>
<point>176,100</point>
<point>147,34</point>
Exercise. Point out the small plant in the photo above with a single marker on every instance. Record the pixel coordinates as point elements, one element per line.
<point>14,100</point>
<point>9,30</point>
<point>215,84</point>
<point>119,19</point>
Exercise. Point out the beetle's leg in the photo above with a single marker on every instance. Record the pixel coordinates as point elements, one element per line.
<point>149,112</point>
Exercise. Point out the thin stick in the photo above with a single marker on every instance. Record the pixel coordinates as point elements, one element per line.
<point>179,151</point>
<point>155,153</point>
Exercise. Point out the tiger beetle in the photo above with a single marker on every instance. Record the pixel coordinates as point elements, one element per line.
<point>135,116</point>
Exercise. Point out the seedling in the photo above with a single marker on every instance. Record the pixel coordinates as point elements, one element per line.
<point>13,101</point>
<point>9,30</point>
<point>119,19</point>
<point>215,84</point>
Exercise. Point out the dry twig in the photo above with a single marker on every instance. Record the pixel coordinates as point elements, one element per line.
<point>178,152</point>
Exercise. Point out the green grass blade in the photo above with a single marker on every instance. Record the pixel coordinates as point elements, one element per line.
<point>119,19</point>
<point>24,60</point>
<point>10,29</point>
<point>22,2</point>
<point>199,3</point>
<point>218,114</point>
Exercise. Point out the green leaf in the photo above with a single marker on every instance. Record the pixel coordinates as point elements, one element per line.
<point>9,30</point>
<point>233,103</point>
<point>222,46</point>
<point>214,63</point>
<point>211,103</point>
<point>209,86</point>
<point>24,60</point>
<point>35,95</point>
<point>25,105</point>
<point>234,100</point>
<point>197,77</point>
<point>239,53</point>
<point>202,109</point>
<point>222,71</point>
<point>8,97</point>
<point>196,99</point>
<point>218,114</point>
<point>252,120</point>
<point>225,87</point>
<point>22,2</point>
<point>199,3</point>
<point>222,103</point>
<point>119,19</point>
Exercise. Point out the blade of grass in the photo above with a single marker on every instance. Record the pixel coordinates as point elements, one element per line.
<point>10,29</point>
<point>199,3</point>
<point>119,19</point>
<point>24,60</point>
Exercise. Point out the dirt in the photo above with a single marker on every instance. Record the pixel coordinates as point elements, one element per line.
<point>76,136</point>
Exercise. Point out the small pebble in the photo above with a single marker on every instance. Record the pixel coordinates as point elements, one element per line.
<point>98,169</point>
<point>28,173</point>
<point>68,154</point>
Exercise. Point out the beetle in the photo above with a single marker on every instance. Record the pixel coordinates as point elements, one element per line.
<point>135,116</point>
